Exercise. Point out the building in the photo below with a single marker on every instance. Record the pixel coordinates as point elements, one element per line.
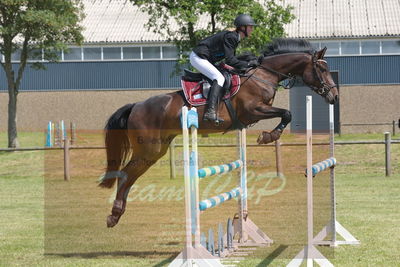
<point>121,62</point>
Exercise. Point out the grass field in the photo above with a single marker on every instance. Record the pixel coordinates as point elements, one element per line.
<point>45,221</point>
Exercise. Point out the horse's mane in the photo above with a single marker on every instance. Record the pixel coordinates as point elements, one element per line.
<point>247,56</point>
<point>280,46</point>
<point>288,45</point>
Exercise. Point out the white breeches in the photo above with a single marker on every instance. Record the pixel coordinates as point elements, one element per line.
<point>208,69</point>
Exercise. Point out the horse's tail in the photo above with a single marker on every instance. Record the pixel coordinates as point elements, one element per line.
<point>117,142</point>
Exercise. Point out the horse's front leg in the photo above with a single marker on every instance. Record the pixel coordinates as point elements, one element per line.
<point>267,112</point>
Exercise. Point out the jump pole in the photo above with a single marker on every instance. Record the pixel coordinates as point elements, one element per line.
<point>309,253</point>
<point>334,227</point>
<point>49,134</point>
<point>196,254</point>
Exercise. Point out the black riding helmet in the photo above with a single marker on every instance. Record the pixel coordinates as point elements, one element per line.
<point>244,20</point>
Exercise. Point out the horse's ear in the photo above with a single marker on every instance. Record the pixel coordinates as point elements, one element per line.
<point>321,53</point>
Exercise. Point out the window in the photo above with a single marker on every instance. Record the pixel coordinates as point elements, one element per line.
<point>389,47</point>
<point>35,55</point>
<point>73,54</point>
<point>16,56</point>
<point>350,48</point>
<point>111,52</point>
<point>50,54</point>
<point>151,52</point>
<point>333,48</point>
<point>315,45</point>
<point>370,47</point>
<point>170,52</point>
<point>92,53</point>
<point>131,52</point>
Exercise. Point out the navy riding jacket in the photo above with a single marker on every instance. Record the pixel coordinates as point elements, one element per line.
<point>220,46</point>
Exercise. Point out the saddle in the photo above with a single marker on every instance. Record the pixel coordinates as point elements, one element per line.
<point>196,86</point>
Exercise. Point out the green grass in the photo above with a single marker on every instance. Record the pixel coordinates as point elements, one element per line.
<point>147,235</point>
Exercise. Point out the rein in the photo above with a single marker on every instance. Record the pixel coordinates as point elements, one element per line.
<point>252,75</point>
<point>274,86</point>
<point>290,77</point>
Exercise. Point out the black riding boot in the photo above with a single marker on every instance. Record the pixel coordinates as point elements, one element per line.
<point>211,113</point>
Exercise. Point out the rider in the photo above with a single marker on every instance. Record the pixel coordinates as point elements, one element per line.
<point>214,48</point>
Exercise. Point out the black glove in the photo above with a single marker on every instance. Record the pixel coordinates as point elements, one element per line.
<point>252,63</point>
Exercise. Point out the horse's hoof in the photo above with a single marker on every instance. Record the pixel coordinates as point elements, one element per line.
<point>112,221</point>
<point>266,137</point>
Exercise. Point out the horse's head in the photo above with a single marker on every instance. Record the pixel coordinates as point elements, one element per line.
<point>318,77</point>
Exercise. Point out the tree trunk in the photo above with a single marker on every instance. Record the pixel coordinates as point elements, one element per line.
<point>12,120</point>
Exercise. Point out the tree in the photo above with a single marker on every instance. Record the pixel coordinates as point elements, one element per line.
<point>26,29</point>
<point>175,20</point>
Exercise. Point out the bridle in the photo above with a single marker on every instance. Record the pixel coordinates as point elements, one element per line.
<point>323,90</point>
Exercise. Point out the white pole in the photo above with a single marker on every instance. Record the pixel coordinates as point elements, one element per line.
<point>195,171</point>
<point>332,171</point>
<point>186,166</point>
<point>242,181</point>
<point>310,225</point>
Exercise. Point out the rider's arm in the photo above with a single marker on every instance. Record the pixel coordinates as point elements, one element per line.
<point>230,43</point>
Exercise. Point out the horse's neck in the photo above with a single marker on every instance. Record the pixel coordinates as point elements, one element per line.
<point>293,63</point>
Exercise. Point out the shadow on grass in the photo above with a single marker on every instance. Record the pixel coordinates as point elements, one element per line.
<point>271,257</point>
<point>92,255</point>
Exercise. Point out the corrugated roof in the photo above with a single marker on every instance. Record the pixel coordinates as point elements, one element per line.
<point>115,21</point>
<point>320,19</point>
<point>119,21</point>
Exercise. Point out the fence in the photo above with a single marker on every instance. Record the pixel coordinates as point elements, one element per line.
<point>387,142</point>
<point>393,124</point>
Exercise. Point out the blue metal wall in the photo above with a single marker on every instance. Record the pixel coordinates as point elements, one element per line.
<point>157,74</point>
<point>99,75</point>
<point>366,69</point>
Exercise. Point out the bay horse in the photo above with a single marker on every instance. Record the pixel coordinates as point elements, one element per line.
<point>139,134</point>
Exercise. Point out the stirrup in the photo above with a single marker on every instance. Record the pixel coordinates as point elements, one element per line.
<point>216,120</point>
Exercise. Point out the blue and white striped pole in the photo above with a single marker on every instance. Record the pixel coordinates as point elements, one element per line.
<point>323,165</point>
<point>219,199</point>
<point>220,169</point>
<point>49,135</point>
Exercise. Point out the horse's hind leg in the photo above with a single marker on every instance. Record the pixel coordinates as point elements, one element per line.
<point>140,162</point>
<point>134,169</point>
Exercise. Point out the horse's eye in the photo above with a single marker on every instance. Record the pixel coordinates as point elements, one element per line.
<point>322,69</point>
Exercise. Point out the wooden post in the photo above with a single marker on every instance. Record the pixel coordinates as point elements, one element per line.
<point>66,160</point>
<point>172,167</point>
<point>394,127</point>
<point>387,154</point>
<point>278,158</point>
